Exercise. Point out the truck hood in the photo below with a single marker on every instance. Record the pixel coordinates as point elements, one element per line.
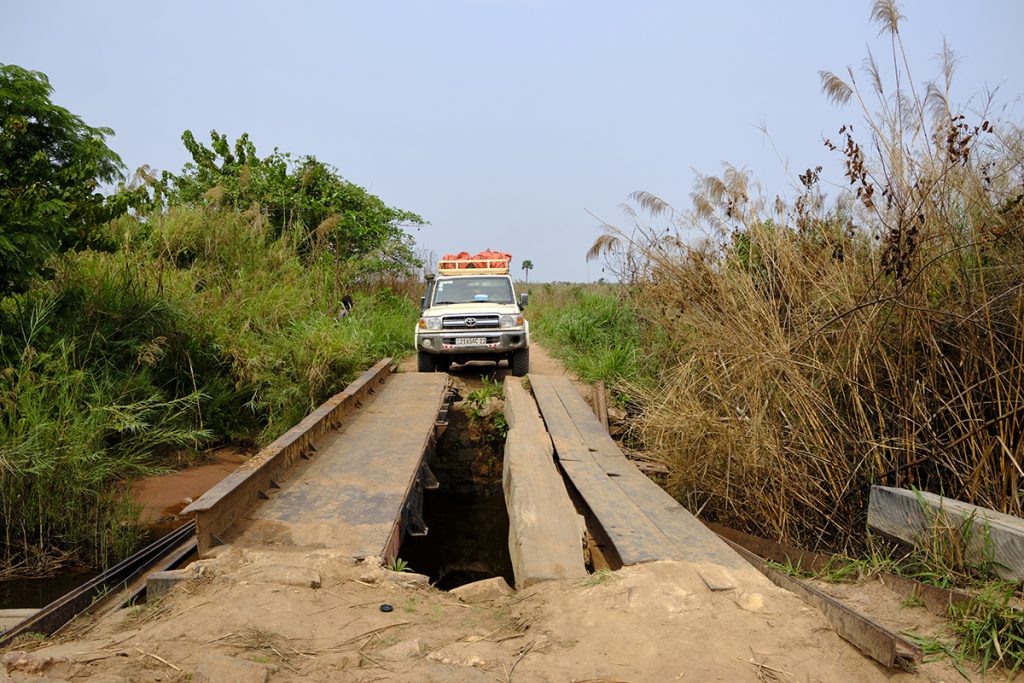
<point>474,307</point>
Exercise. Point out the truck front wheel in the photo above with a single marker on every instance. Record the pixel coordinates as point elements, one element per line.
<point>425,362</point>
<point>520,362</point>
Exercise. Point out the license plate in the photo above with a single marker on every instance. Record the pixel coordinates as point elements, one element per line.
<point>470,341</point>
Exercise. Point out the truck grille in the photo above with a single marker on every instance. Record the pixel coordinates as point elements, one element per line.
<point>470,322</point>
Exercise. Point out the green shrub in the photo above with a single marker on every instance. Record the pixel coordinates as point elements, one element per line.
<point>595,333</point>
<point>202,328</point>
<point>69,431</point>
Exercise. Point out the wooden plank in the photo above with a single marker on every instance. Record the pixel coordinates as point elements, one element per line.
<point>916,517</point>
<point>881,644</point>
<point>228,500</point>
<point>695,541</point>
<point>634,536</point>
<point>544,538</point>
<point>351,497</point>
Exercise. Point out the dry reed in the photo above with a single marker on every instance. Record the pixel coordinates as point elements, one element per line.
<point>834,342</point>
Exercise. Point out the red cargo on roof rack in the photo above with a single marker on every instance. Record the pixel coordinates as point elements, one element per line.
<point>486,262</point>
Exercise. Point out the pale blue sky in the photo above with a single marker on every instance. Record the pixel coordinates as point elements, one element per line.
<point>499,121</point>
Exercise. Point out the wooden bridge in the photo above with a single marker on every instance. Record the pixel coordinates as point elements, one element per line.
<point>351,478</point>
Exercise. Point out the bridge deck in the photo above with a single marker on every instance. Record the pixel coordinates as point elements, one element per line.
<point>643,522</point>
<point>350,496</point>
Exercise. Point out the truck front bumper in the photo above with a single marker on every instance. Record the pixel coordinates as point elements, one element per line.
<point>474,343</point>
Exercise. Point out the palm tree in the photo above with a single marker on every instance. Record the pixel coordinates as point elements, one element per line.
<point>527,266</point>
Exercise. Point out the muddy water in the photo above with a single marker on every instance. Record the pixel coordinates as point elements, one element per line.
<point>24,593</point>
<point>159,499</point>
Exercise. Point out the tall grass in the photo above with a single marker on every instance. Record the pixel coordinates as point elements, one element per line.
<point>67,434</point>
<point>203,327</point>
<point>831,343</point>
<point>594,331</point>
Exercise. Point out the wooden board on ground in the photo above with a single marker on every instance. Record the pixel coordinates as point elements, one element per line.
<point>545,538</point>
<point>11,617</point>
<point>349,497</point>
<point>642,521</point>
<point>916,516</point>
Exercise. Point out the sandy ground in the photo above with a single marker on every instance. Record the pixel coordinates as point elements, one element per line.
<point>257,614</point>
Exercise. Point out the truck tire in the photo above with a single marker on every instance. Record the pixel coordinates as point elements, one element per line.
<point>520,362</point>
<point>425,362</point>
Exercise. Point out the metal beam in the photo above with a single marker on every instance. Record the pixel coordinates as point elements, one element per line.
<point>220,507</point>
<point>83,599</point>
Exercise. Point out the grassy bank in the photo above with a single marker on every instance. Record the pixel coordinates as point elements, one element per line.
<point>593,329</point>
<point>198,326</point>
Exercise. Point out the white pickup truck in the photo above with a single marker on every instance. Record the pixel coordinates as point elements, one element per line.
<point>470,312</point>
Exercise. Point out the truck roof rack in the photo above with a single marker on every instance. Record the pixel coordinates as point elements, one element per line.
<point>484,263</point>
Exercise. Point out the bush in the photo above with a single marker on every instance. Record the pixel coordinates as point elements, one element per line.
<point>827,345</point>
<point>595,333</point>
<point>202,328</point>
<point>68,431</point>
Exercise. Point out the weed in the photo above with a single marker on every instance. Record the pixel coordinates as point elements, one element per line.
<point>990,626</point>
<point>492,425</point>
<point>204,327</point>
<point>398,565</point>
<point>935,649</point>
<point>961,550</point>
<point>790,569</point>
<point>810,349</point>
<point>600,577</point>
<point>490,389</point>
<point>596,334</point>
<point>913,600</point>
<point>500,424</point>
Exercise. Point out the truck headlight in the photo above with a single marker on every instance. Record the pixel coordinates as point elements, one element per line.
<point>430,323</point>
<point>510,320</point>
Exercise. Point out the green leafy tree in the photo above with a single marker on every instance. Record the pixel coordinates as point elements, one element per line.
<point>300,196</point>
<point>52,165</point>
<point>527,267</point>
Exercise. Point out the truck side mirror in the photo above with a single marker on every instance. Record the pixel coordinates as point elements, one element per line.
<point>524,299</point>
<point>423,303</point>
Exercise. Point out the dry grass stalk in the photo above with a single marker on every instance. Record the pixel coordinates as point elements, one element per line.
<point>877,337</point>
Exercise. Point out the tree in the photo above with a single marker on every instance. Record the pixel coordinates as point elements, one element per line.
<point>527,267</point>
<point>52,165</point>
<point>301,196</point>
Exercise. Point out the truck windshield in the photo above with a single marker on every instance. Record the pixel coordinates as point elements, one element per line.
<point>467,290</point>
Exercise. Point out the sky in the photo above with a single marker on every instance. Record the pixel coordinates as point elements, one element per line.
<point>507,124</point>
